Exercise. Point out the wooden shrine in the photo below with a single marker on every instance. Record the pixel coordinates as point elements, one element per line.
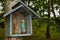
<point>19,20</point>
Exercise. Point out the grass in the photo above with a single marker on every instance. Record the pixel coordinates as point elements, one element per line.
<point>39,33</point>
<point>2,34</point>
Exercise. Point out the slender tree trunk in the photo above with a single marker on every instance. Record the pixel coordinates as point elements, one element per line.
<point>43,8</point>
<point>48,25</point>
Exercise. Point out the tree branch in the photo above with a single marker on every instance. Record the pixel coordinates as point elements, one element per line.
<point>52,1</point>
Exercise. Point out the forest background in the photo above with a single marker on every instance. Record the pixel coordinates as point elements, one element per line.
<point>47,27</point>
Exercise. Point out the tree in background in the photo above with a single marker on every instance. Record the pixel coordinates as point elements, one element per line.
<point>48,25</point>
<point>40,7</point>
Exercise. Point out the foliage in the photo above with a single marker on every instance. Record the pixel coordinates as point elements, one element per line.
<point>1,0</point>
<point>39,25</point>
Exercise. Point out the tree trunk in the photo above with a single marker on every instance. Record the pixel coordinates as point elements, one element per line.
<point>48,25</point>
<point>6,6</point>
<point>43,8</point>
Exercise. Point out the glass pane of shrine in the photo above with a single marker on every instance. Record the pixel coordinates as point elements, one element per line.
<point>19,24</point>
